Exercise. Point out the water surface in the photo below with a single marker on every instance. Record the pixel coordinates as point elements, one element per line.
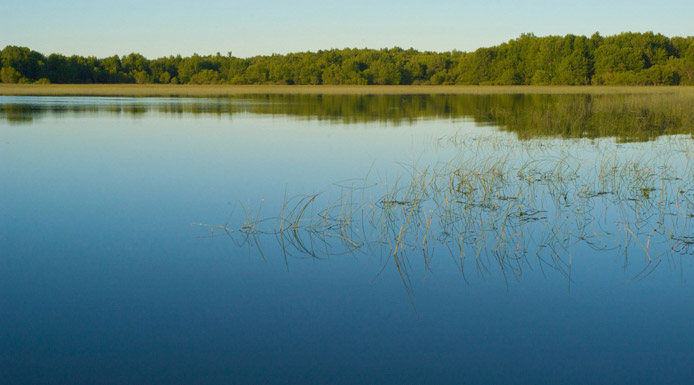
<point>558,246</point>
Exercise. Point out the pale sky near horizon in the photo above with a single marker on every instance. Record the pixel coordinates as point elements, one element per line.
<point>247,28</point>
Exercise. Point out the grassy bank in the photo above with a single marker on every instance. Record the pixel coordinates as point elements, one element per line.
<point>229,90</point>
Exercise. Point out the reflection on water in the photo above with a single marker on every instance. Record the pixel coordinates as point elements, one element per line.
<point>540,239</point>
<point>628,117</point>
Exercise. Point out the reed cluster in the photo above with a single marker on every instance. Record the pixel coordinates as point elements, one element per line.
<point>531,206</point>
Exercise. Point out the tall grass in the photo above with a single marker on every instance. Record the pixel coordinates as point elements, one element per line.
<point>189,90</point>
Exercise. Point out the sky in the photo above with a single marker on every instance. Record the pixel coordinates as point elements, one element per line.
<point>248,28</point>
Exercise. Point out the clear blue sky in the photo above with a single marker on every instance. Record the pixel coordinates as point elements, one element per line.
<point>160,28</point>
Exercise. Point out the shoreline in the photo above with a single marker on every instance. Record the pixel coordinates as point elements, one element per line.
<point>168,90</point>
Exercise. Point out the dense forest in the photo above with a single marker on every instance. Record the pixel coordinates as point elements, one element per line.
<point>624,59</point>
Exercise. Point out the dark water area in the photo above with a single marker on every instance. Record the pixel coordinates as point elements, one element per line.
<point>499,239</point>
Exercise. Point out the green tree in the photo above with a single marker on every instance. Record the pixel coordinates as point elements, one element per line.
<point>28,63</point>
<point>165,77</point>
<point>9,75</point>
<point>188,67</point>
<point>385,72</point>
<point>205,77</point>
<point>142,77</point>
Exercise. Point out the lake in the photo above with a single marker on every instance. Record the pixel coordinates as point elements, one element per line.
<point>345,239</point>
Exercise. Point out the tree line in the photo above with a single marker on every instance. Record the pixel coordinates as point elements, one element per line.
<point>623,59</point>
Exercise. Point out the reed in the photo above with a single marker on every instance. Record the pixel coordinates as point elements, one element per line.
<point>189,90</point>
<point>526,208</point>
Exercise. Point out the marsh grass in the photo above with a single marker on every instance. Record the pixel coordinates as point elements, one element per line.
<point>524,209</point>
<point>188,90</point>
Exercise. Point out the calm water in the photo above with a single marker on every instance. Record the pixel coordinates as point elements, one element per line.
<point>454,240</point>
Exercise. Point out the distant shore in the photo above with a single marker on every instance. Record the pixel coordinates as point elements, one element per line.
<point>162,90</point>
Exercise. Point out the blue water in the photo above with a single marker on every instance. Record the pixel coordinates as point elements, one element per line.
<point>105,276</point>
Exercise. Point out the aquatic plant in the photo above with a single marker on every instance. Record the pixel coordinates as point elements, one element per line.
<point>526,207</point>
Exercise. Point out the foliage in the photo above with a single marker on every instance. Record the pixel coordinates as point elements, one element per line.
<point>9,75</point>
<point>624,59</point>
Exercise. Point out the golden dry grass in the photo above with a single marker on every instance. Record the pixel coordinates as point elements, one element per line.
<point>228,90</point>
